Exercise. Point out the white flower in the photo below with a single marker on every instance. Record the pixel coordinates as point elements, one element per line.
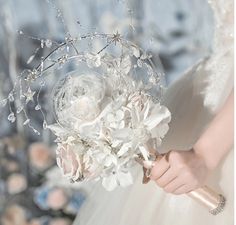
<point>148,121</point>
<point>85,108</point>
<point>80,99</point>
<point>103,155</point>
<point>116,119</point>
<point>117,177</point>
<point>124,149</point>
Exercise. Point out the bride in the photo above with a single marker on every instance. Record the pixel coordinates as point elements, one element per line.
<point>199,145</point>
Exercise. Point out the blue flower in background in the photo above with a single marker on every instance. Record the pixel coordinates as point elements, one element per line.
<point>75,202</point>
<point>40,197</point>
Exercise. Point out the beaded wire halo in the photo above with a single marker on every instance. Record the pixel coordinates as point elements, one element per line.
<point>96,51</point>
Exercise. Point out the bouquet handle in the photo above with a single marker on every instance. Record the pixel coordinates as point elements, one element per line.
<point>205,195</point>
<point>209,198</point>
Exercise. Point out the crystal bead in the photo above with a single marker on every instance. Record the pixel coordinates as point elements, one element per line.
<point>19,109</point>
<point>153,80</point>
<point>36,132</point>
<point>48,43</point>
<point>26,122</point>
<point>31,58</point>
<point>37,107</point>
<point>11,97</point>
<point>42,43</point>
<point>3,103</point>
<point>11,117</point>
<point>45,125</point>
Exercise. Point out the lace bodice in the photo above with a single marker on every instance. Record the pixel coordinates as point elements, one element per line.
<point>219,67</point>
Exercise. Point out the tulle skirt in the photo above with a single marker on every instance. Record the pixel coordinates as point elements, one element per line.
<point>147,204</point>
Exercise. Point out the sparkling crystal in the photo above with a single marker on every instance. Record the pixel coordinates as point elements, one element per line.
<point>152,80</point>
<point>29,95</point>
<point>45,125</point>
<point>63,59</point>
<point>41,66</point>
<point>3,103</point>
<point>32,75</point>
<point>36,132</point>
<point>31,58</point>
<point>37,107</point>
<point>42,43</point>
<point>11,97</point>
<point>11,117</point>
<point>26,122</point>
<point>48,43</point>
<point>19,109</point>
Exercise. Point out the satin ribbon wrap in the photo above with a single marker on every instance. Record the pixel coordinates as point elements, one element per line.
<point>209,198</point>
<point>205,195</point>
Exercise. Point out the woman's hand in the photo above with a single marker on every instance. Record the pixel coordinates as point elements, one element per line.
<point>185,171</point>
<point>180,172</point>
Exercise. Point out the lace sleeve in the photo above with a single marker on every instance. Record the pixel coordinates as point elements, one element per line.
<point>219,67</point>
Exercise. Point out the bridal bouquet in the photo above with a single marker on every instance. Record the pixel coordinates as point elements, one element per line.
<point>108,110</point>
<point>105,121</point>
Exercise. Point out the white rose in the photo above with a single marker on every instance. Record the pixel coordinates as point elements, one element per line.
<point>80,99</point>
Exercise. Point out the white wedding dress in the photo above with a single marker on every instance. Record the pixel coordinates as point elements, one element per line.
<point>193,101</point>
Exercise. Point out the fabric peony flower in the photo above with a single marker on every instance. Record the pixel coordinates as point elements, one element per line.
<point>69,161</point>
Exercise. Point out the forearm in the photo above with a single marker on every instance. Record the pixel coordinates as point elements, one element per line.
<point>218,138</point>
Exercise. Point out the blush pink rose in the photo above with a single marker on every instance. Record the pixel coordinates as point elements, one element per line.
<point>69,161</point>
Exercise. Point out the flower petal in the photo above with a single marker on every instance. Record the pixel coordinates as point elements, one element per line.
<point>109,183</point>
<point>124,178</point>
<point>144,152</point>
<point>153,120</point>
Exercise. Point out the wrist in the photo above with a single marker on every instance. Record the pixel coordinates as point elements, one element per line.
<point>203,149</point>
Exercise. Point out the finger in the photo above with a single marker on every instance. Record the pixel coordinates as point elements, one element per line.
<point>159,168</point>
<point>166,178</point>
<point>173,185</point>
<point>184,189</point>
